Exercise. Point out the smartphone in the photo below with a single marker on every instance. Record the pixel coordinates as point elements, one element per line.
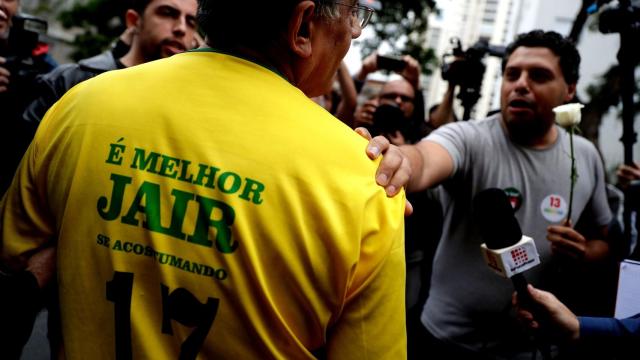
<point>390,63</point>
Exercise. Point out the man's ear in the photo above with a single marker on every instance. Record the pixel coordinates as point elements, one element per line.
<point>132,18</point>
<point>301,27</point>
<point>571,92</point>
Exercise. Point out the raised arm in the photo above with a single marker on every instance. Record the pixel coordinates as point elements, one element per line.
<point>443,114</point>
<point>349,100</point>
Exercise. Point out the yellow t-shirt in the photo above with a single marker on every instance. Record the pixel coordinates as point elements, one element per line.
<point>202,206</point>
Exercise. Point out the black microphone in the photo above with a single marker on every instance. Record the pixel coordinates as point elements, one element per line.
<point>506,250</point>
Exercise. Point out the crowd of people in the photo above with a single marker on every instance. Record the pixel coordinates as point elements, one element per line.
<point>153,204</point>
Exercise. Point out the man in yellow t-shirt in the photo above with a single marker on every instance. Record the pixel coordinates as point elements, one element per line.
<point>197,212</point>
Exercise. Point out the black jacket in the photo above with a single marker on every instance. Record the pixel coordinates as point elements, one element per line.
<point>50,87</point>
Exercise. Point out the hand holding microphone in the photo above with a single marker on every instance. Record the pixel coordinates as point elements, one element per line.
<point>506,251</point>
<point>565,327</point>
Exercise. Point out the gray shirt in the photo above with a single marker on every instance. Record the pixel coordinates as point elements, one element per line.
<point>468,304</point>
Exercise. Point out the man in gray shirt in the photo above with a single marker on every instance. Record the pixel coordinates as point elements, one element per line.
<point>521,151</point>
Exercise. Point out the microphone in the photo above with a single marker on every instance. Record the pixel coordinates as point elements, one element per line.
<point>506,251</point>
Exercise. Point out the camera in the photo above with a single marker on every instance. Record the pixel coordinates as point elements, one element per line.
<point>387,119</point>
<point>617,18</point>
<point>390,63</point>
<point>23,38</point>
<point>467,70</point>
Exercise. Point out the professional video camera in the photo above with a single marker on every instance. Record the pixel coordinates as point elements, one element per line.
<point>387,119</point>
<point>23,38</point>
<point>467,70</point>
<point>619,16</point>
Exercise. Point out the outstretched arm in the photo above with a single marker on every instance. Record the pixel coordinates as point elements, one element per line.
<point>430,164</point>
<point>564,324</point>
<point>349,99</point>
<point>417,167</point>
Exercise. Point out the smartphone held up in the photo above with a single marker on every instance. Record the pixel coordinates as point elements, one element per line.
<point>390,63</point>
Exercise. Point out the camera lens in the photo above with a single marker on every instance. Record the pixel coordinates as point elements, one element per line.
<point>389,118</point>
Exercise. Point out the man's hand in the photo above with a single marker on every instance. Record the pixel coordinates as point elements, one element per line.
<point>364,114</point>
<point>43,265</point>
<point>411,71</point>
<point>396,138</point>
<point>394,170</point>
<point>567,241</point>
<point>628,173</point>
<point>4,76</point>
<point>369,65</point>
<point>564,324</point>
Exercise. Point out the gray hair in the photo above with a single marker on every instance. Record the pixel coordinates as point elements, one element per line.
<point>327,10</point>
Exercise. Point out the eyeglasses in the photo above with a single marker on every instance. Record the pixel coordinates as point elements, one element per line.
<point>360,13</point>
<point>393,96</point>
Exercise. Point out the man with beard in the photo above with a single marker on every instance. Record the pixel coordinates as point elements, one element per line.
<point>160,28</point>
<point>523,152</point>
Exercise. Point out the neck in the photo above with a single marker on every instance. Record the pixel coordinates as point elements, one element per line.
<point>278,62</point>
<point>545,141</point>
<point>133,56</point>
<point>541,139</point>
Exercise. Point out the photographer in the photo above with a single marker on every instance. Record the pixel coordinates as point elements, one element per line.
<point>466,70</point>
<point>442,113</point>
<point>404,124</point>
<point>22,58</point>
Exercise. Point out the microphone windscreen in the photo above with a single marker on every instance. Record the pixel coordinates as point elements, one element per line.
<point>495,219</point>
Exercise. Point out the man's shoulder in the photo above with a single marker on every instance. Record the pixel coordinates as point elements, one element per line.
<point>99,63</point>
<point>67,75</point>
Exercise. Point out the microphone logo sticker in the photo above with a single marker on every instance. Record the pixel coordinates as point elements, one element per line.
<point>519,256</point>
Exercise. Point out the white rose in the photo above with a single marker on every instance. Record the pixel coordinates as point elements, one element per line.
<point>568,115</point>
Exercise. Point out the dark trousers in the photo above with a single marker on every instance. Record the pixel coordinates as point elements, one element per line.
<point>421,344</point>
